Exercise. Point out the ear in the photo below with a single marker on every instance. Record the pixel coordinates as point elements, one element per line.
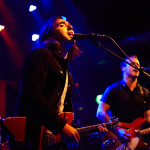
<point>123,68</point>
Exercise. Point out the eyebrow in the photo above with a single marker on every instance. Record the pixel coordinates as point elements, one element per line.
<point>63,22</point>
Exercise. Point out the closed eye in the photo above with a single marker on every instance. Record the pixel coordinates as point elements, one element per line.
<point>61,25</point>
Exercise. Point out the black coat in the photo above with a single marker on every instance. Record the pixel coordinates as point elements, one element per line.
<point>42,83</point>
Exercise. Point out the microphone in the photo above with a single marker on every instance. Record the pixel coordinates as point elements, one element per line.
<point>146,68</point>
<point>77,36</point>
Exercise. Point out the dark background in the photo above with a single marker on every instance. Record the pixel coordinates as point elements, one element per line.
<point>126,21</point>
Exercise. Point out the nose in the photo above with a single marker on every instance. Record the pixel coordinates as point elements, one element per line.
<point>70,27</point>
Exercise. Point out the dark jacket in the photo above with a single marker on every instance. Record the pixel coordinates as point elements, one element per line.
<point>42,83</point>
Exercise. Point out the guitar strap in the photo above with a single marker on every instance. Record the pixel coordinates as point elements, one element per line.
<point>62,99</point>
<point>143,93</point>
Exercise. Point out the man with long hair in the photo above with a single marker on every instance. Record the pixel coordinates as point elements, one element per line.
<point>46,83</point>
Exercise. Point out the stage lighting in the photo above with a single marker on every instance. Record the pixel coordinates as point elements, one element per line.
<point>64,17</point>
<point>32,8</point>
<point>1,27</point>
<point>35,37</point>
<point>98,98</point>
<point>131,38</point>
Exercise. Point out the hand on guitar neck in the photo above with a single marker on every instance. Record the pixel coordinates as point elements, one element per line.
<point>103,128</point>
<point>72,137</point>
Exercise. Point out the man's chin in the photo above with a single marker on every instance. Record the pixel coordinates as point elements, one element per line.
<point>135,76</point>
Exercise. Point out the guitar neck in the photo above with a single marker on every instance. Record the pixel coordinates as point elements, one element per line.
<point>49,139</point>
<point>84,131</point>
<point>145,131</point>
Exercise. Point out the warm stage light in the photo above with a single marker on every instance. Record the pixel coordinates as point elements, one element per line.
<point>35,37</point>
<point>1,27</point>
<point>13,49</point>
<point>32,8</point>
<point>76,84</point>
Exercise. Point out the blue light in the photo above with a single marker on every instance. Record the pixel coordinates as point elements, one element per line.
<point>32,8</point>
<point>35,37</point>
<point>64,17</point>
<point>131,38</point>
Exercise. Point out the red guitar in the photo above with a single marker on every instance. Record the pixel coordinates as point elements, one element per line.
<point>112,142</point>
<point>17,127</point>
<point>48,138</point>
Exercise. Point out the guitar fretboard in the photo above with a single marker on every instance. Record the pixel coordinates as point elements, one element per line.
<point>91,129</point>
<point>145,131</point>
<point>50,139</point>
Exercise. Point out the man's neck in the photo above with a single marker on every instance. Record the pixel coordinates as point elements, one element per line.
<point>65,49</point>
<point>65,53</point>
<point>131,82</point>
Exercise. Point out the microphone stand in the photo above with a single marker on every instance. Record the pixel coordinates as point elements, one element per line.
<point>98,44</point>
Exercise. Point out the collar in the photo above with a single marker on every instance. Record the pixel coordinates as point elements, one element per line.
<point>122,83</point>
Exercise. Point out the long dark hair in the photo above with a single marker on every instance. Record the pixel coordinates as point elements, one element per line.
<point>47,40</point>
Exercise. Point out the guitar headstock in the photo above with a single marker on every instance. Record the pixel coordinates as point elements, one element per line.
<point>114,122</point>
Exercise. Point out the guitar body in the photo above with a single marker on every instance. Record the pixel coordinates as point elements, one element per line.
<point>17,128</point>
<point>112,142</point>
<point>136,142</point>
<point>53,139</point>
<point>131,127</point>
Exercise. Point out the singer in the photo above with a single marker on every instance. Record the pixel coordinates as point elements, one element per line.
<point>46,85</point>
<point>127,100</point>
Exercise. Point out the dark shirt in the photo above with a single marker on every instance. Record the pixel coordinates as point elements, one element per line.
<point>125,104</point>
<point>42,83</point>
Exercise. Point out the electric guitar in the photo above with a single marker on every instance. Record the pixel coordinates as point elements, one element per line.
<point>16,126</point>
<point>112,142</point>
<point>48,138</point>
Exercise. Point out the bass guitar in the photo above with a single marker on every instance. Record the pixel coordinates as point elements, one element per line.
<point>112,142</point>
